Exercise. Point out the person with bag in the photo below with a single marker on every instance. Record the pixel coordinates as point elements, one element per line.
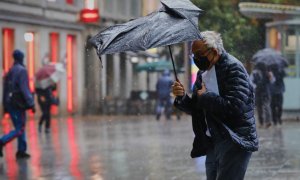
<point>164,99</point>
<point>263,79</point>
<point>17,98</point>
<point>222,109</point>
<point>277,90</point>
<point>46,99</point>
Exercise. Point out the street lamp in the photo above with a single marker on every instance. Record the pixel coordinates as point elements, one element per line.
<point>28,37</point>
<point>134,60</point>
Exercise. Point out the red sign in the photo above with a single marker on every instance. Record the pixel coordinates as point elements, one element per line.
<point>89,15</point>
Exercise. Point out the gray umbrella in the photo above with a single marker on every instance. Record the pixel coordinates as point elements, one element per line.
<point>270,57</point>
<point>175,22</point>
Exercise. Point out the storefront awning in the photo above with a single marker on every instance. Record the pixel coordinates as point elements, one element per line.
<point>269,11</point>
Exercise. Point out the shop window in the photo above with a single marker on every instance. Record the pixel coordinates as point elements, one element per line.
<point>8,47</point>
<point>54,47</point>
<point>30,56</point>
<point>274,39</point>
<point>108,7</point>
<point>290,41</point>
<point>289,51</point>
<point>71,50</point>
<point>90,4</point>
<point>54,58</point>
<point>121,8</point>
<point>135,8</point>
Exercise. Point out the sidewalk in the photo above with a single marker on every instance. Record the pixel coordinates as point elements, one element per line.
<point>291,116</point>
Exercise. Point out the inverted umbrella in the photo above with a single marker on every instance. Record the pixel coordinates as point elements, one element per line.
<point>49,74</point>
<point>270,57</point>
<point>175,22</point>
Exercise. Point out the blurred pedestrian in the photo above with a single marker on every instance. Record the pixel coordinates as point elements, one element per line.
<point>277,90</point>
<point>17,98</point>
<point>164,99</point>
<point>46,99</point>
<point>222,109</point>
<point>262,79</point>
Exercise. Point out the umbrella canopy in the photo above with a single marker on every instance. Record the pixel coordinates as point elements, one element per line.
<point>269,57</point>
<point>49,74</point>
<point>175,22</point>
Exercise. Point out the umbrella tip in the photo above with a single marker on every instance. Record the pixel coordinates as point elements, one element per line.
<point>101,62</point>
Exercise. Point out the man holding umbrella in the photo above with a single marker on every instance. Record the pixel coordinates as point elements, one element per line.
<point>262,78</point>
<point>268,77</point>
<point>45,85</point>
<point>222,110</point>
<point>277,89</point>
<point>227,109</point>
<point>46,99</point>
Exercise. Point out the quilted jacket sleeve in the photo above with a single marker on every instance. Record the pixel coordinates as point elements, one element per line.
<point>234,99</point>
<point>184,104</point>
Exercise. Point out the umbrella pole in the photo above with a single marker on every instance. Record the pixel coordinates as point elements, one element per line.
<point>148,81</point>
<point>174,69</point>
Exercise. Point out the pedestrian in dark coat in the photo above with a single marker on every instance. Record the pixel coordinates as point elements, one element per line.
<point>277,90</point>
<point>223,119</point>
<point>17,98</point>
<point>262,77</point>
<point>163,91</point>
<point>46,99</point>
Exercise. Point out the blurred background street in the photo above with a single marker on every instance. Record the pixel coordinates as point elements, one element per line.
<point>135,148</point>
<point>105,125</point>
<point>52,31</point>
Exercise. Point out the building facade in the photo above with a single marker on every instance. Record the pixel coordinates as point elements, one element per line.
<point>282,34</point>
<point>45,29</point>
<point>110,80</point>
<point>59,30</point>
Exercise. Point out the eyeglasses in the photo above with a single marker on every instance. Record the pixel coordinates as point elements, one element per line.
<point>198,54</point>
<point>206,52</point>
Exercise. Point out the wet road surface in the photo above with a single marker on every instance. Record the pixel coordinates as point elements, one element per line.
<point>136,148</point>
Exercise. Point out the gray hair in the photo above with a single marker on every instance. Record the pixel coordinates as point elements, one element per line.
<point>213,40</point>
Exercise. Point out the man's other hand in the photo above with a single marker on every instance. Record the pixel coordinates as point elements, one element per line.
<point>202,90</point>
<point>178,89</point>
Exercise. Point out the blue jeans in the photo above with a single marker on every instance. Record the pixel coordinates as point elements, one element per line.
<point>165,103</point>
<point>226,161</point>
<point>18,118</point>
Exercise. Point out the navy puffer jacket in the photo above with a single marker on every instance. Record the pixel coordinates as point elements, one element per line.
<point>232,110</point>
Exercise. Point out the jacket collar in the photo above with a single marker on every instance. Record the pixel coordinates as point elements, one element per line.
<point>223,57</point>
<point>18,63</point>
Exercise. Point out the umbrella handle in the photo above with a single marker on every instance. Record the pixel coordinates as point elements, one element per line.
<point>174,69</point>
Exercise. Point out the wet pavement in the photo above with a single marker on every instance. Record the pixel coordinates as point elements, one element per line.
<point>136,148</point>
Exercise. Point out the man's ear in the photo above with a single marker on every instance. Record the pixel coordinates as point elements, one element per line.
<point>215,52</point>
<point>216,57</point>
